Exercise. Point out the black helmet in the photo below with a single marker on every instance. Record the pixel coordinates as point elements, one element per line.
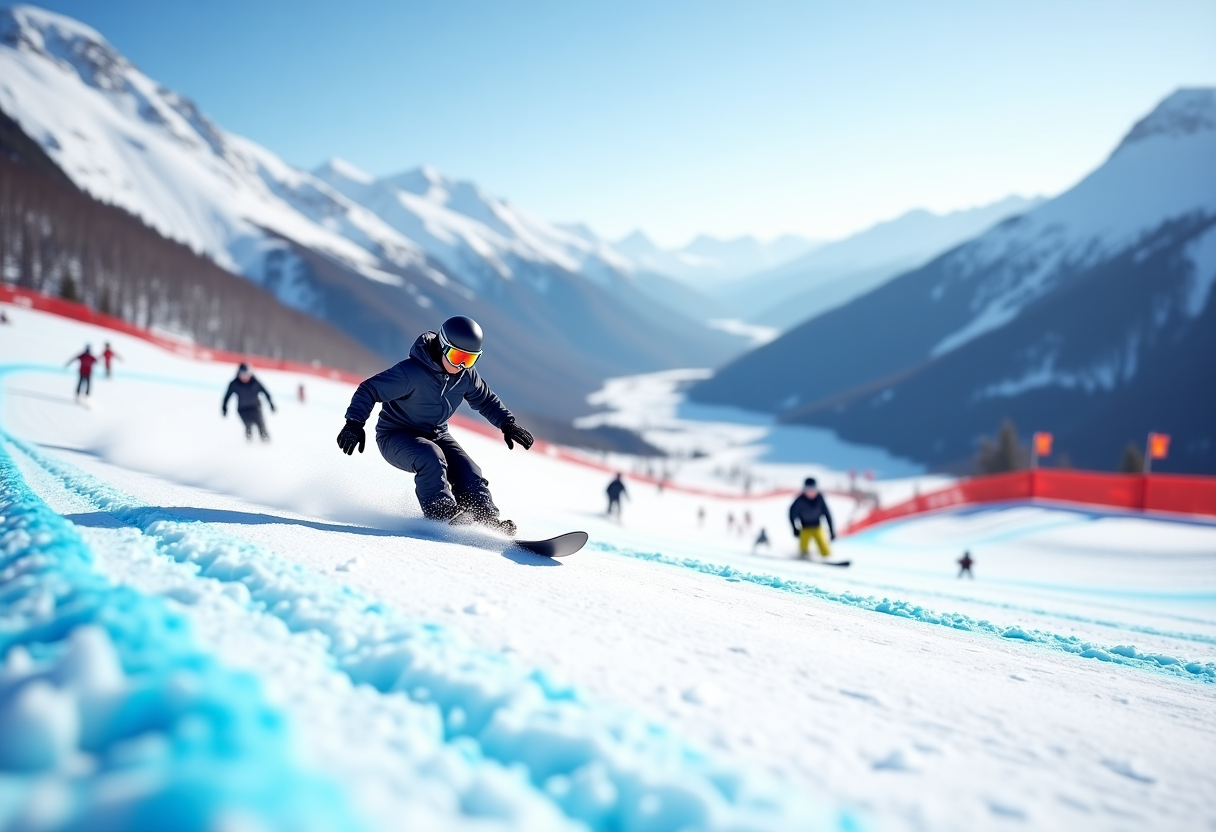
<point>462,333</point>
<point>810,483</point>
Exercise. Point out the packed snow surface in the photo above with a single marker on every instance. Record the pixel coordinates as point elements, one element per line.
<point>179,609</point>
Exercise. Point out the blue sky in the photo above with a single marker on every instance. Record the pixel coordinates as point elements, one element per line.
<point>683,117</point>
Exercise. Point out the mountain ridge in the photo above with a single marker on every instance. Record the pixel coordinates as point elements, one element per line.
<point>998,326</point>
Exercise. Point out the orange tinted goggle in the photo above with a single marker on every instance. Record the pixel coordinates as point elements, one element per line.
<point>460,358</point>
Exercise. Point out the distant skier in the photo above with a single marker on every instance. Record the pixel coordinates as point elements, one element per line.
<point>4,317</point>
<point>246,388</point>
<point>418,396</point>
<point>700,515</point>
<point>806,512</point>
<point>616,490</point>
<point>965,565</point>
<point>109,355</point>
<point>761,540</point>
<point>87,360</point>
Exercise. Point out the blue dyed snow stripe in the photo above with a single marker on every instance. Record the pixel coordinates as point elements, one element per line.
<point>111,718</point>
<point>1119,654</point>
<point>602,766</point>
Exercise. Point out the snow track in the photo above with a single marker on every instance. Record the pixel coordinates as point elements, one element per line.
<point>587,762</point>
<point>1127,654</point>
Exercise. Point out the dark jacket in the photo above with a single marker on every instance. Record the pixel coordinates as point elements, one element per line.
<point>418,396</point>
<point>615,489</point>
<point>805,513</point>
<point>246,393</point>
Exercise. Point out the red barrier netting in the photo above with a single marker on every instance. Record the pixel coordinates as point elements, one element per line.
<point>1175,493</point>
<point>79,312</point>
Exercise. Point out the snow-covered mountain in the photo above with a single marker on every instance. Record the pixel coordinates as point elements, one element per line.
<point>707,262</point>
<point>476,236</point>
<point>837,272</point>
<point>1091,316</point>
<point>381,259</point>
<point>130,142</point>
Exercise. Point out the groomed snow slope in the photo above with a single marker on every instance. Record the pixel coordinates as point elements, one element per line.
<point>664,678</point>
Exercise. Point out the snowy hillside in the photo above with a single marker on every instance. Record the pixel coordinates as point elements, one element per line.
<point>209,633</point>
<point>381,261</point>
<point>130,142</point>
<point>1091,316</point>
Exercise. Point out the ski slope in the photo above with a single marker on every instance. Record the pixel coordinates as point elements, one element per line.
<point>200,633</point>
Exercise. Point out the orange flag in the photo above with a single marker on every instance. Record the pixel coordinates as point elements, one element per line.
<point>1042,443</point>
<point>1158,445</point>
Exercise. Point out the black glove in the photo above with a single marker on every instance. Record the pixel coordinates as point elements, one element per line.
<point>513,433</point>
<point>224,412</point>
<point>350,436</point>
<point>833,535</point>
<point>272,408</point>
<point>797,532</point>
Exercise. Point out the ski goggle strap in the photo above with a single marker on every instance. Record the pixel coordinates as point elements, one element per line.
<point>456,356</point>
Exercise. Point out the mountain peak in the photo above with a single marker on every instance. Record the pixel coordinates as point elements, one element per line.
<point>423,180</point>
<point>64,41</point>
<point>636,240</point>
<point>342,169</point>
<point>1183,113</point>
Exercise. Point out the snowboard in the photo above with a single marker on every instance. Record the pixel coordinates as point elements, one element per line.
<point>832,562</point>
<point>554,547</point>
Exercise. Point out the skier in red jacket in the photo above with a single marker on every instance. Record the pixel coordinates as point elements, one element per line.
<point>87,360</point>
<point>109,355</point>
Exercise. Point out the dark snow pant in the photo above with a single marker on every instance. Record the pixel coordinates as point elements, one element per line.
<point>252,416</point>
<point>446,479</point>
<point>614,506</point>
<point>84,384</point>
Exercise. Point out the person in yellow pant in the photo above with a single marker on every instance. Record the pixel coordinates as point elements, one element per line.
<point>808,533</point>
<point>806,515</point>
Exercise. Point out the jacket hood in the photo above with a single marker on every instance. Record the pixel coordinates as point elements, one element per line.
<point>424,351</point>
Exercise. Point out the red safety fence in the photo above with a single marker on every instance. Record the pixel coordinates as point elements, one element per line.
<point>40,302</point>
<point>1174,493</point>
<point>79,312</point>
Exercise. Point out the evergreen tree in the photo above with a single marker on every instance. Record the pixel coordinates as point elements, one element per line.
<point>1133,459</point>
<point>67,289</point>
<point>1005,454</point>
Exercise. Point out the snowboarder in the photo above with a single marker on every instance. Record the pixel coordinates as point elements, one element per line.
<point>965,565</point>
<point>109,355</point>
<point>700,515</point>
<point>87,360</point>
<point>246,388</point>
<point>616,489</point>
<point>418,396</point>
<point>761,540</point>
<point>806,512</point>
